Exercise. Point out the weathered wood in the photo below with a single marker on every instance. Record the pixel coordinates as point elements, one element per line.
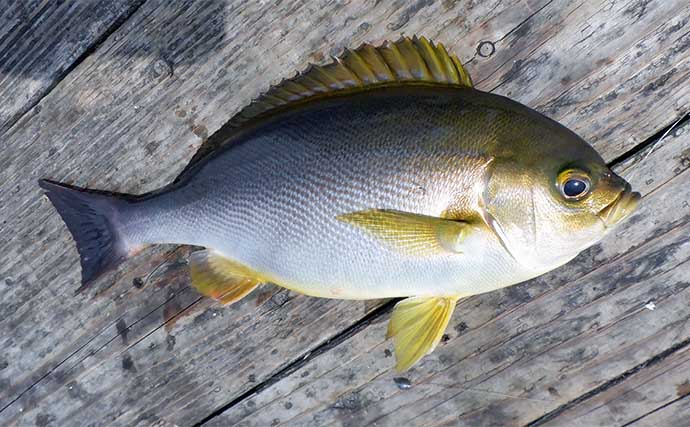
<point>636,400</point>
<point>129,116</point>
<point>41,41</point>
<point>513,355</point>
<point>674,415</point>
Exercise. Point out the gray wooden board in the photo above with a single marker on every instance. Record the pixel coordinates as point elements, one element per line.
<point>676,414</point>
<point>130,115</point>
<point>636,400</point>
<point>40,41</point>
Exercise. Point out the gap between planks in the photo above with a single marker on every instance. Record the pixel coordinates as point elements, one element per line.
<point>658,358</point>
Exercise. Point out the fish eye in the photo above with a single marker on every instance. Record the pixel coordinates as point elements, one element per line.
<point>573,185</point>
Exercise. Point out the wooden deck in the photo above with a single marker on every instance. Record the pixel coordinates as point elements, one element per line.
<point>118,95</point>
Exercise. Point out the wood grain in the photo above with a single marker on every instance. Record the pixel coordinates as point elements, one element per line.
<point>128,117</point>
<point>41,41</point>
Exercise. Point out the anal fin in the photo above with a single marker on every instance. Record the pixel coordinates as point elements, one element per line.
<point>221,278</point>
<point>416,326</point>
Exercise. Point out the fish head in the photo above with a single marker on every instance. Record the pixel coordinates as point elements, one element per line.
<point>550,195</point>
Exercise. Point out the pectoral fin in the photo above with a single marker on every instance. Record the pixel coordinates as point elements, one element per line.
<point>412,233</point>
<point>221,278</point>
<point>416,326</point>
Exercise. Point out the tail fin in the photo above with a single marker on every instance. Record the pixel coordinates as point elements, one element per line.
<point>90,217</point>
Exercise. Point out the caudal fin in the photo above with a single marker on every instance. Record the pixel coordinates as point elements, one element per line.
<point>90,217</point>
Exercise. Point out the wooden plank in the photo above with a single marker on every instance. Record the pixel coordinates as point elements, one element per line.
<point>40,41</point>
<point>674,415</point>
<point>637,398</point>
<point>512,356</point>
<point>127,119</point>
<point>593,61</point>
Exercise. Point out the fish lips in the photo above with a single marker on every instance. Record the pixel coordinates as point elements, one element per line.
<point>621,207</point>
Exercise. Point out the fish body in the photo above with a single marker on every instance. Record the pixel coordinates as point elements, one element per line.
<point>428,191</point>
<point>272,202</point>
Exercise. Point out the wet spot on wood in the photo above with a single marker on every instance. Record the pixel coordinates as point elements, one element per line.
<point>43,420</point>
<point>170,313</point>
<point>604,61</point>
<point>122,330</point>
<point>553,392</point>
<point>683,389</point>
<point>460,328</point>
<point>170,341</point>
<point>75,391</point>
<point>352,402</point>
<point>151,147</point>
<point>200,131</point>
<point>128,363</point>
<point>263,296</point>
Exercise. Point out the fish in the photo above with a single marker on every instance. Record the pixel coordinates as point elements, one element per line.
<point>383,174</point>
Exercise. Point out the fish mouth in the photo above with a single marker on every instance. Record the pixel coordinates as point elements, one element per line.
<point>621,207</point>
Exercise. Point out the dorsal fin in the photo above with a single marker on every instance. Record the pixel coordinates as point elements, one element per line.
<point>408,60</point>
<point>413,60</point>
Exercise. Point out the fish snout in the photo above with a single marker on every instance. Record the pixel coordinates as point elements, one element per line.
<point>621,207</point>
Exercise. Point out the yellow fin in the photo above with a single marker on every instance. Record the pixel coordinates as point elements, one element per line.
<point>221,278</point>
<point>416,326</point>
<point>412,233</point>
<point>408,60</point>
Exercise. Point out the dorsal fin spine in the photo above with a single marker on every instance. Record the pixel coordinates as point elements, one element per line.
<point>409,60</point>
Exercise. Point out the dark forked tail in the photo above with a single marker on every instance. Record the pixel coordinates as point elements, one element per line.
<point>91,217</point>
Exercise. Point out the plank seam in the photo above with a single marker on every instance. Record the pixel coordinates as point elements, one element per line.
<point>93,352</point>
<point>305,358</point>
<point>642,146</point>
<point>654,411</point>
<point>658,358</point>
